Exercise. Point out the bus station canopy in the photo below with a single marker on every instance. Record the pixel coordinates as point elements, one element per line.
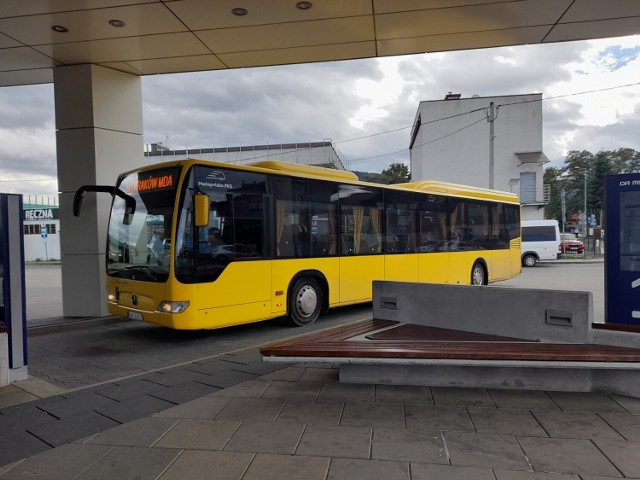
<point>146,37</point>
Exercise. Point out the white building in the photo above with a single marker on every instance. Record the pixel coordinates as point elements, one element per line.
<point>319,154</point>
<point>41,225</point>
<point>451,141</point>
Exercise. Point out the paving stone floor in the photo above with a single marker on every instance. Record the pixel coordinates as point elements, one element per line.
<point>298,422</point>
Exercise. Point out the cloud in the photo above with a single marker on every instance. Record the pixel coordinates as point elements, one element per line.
<point>366,106</point>
<point>623,133</point>
<point>27,140</point>
<point>253,106</point>
<point>26,107</point>
<point>561,72</point>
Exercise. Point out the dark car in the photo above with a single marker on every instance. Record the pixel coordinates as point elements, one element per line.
<point>569,244</point>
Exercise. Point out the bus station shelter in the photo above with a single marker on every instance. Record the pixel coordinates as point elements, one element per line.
<point>96,52</point>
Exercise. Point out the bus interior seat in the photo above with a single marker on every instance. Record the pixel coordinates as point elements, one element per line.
<point>286,247</point>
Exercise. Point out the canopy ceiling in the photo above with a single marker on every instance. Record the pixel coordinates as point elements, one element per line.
<point>147,37</point>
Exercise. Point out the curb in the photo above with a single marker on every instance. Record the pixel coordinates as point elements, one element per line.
<point>63,324</point>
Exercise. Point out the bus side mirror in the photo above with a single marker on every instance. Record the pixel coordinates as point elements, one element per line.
<point>201,209</point>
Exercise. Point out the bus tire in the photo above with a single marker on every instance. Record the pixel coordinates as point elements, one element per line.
<point>529,260</point>
<point>478,274</point>
<point>305,301</point>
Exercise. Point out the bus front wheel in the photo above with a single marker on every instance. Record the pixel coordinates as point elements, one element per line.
<point>478,274</point>
<point>305,302</point>
<point>529,260</point>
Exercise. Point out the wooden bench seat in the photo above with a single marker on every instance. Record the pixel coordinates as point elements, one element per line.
<point>385,339</point>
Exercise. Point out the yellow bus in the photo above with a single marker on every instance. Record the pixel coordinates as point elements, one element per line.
<point>195,244</point>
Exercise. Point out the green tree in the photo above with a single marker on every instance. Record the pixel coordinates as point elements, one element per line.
<point>602,166</point>
<point>396,173</point>
<point>371,177</point>
<point>576,164</point>
<point>583,166</point>
<point>625,160</point>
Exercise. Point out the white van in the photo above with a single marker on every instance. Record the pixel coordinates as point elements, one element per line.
<point>540,241</point>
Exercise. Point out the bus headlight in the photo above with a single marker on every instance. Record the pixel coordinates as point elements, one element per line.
<point>172,307</point>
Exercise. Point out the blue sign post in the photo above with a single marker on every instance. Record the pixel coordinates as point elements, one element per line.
<point>622,255</point>
<point>44,234</point>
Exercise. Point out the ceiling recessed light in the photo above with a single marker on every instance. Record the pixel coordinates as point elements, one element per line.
<point>240,12</point>
<point>116,23</point>
<point>59,29</point>
<point>304,5</point>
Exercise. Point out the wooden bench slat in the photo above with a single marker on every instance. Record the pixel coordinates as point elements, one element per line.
<point>616,327</point>
<point>342,332</point>
<point>466,350</point>
<point>414,332</point>
<point>393,343</point>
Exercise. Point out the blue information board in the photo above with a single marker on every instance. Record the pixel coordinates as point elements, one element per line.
<point>12,300</point>
<point>622,254</point>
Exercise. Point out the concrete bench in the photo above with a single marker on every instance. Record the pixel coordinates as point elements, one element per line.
<point>493,337</point>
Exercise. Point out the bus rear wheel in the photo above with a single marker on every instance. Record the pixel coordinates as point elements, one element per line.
<point>478,274</point>
<point>305,302</point>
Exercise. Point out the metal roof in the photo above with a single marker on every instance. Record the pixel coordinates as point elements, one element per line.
<point>146,37</point>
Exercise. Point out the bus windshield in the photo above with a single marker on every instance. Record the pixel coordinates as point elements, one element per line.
<point>139,241</point>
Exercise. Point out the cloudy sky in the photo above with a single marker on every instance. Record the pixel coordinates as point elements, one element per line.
<point>366,107</point>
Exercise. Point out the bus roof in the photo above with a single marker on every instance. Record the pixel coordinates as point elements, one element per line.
<point>458,190</point>
<point>297,169</point>
<point>309,171</point>
<point>428,186</point>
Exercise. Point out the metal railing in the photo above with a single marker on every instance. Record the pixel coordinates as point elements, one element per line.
<point>535,196</point>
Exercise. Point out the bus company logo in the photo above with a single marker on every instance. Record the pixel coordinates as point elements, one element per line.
<point>629,183</point>
<point>215,179</point>
<point>216,175</point>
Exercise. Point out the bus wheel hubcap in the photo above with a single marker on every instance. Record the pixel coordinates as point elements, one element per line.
<point>307,300</point>
<point>478,276</point>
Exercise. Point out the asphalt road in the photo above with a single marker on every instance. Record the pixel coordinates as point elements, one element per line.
<point>579,277</point>
<point>44,292</point>
<point>43,284</point>
<point>94,353</point>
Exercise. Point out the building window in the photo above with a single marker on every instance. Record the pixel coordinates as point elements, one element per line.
<point>36,228</point>
<point>528,187</point>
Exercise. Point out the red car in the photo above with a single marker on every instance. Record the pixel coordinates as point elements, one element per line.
<point>569,244</point>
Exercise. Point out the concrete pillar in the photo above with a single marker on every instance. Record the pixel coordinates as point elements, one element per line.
<point>99,135</point>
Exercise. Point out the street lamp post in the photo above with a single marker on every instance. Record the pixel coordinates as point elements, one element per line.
<point>492,138</point>
<point>586,222</point>
<point>563,196</point>
<point>585,203</point>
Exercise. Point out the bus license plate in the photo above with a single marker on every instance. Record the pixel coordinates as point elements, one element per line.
<point>135,316</point>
